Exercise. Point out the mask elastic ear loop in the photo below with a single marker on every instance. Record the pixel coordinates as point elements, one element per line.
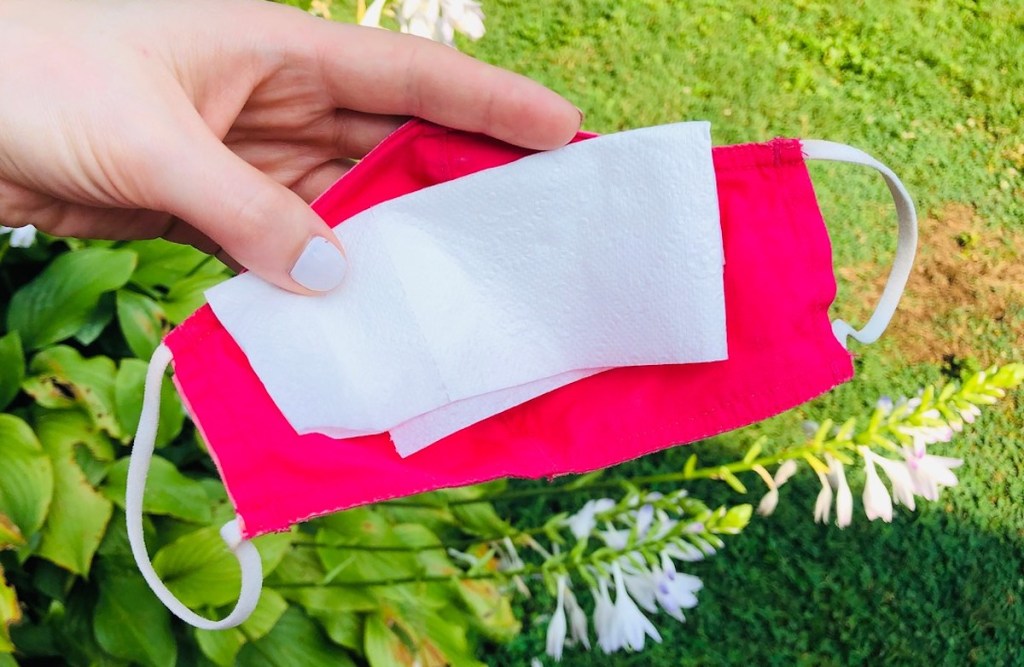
<point>138,467</point>
<point>906,243</point>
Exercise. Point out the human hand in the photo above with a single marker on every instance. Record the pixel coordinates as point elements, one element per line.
<point>214,123</point>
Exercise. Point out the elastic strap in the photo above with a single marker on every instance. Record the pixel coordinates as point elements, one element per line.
<point>906,242</point>
<point>142,453</point>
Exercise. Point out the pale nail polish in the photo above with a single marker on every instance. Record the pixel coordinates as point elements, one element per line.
<point>320,267</point>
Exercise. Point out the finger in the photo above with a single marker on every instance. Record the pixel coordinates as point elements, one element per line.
<point>405,75</point>
<point>318,180</point>
<point>344,134</point>
<point>260,223</point>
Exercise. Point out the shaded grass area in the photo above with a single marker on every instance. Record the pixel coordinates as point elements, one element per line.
<point>935,90</point>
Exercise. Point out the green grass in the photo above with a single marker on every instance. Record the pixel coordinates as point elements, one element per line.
<point>935,90</point>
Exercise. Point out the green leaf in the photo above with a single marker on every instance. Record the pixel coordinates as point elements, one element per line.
<point>266,614</point>
<point>10,613</point>
<point>382,647</point>
<point>62,378</point>
<point>130,622</point>
<point>221,646</point>
<point>101,316</point>
<point>690,465</point>
<point>295,640</point>
<point>79,515</point>
<point>161,263</point>
<point>10,534</point>
<point>732,480</point>
<point>481,519</point>
<point>168,492</point>
<point>200,571</point>
<point>357,527</point>
<point>128,388</point>
<point>188,295</point>
<point>303,566</point>
<point>59,301</point>
<point>26,476</point>
<point>344,628</point>
<point>490,609</point>
<point>142,321</point>
<point>12,368</point>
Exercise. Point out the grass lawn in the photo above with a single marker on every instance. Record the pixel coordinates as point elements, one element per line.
<point>935,90</point>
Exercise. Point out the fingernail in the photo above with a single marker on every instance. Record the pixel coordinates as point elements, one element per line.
<point>320,267</point>
<point>583,116</point>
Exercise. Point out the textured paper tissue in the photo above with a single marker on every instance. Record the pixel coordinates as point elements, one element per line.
<point>601,254</point>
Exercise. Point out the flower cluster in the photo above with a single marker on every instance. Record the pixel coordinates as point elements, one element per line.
<point>21,237</point>
<point>897,441</point>
<point>438,20</point>
<point>633,568</point>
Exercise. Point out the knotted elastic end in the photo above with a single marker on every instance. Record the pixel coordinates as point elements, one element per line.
<point>138,467</point>
<point>906,243</point>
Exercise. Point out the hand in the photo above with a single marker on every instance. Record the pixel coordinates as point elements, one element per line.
<point>213,123</point>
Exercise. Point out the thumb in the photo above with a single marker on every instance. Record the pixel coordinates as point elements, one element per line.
<point>263,225</point>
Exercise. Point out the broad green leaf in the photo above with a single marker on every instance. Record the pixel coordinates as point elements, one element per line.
<point>450,640</point>
<point>188,295</point>
<point>130,622</point>
<point>79,515</point>
<point>200,571</point>
<point>481,519</point>
<point>128,388</point>
<point>161,263</point>
<point>220,646</point>
<point>344,628</point>
<point>59,301</point>
<point>168,492</point>
<point>489,608</point>
<point>101,316</point>
<point>10,534</point>
<point>266,614</point>
<point>362,527</point>
<point>12,368</point>
<point>10,613</point>
<point>382,647</point>
<point>304,566</point>
<point>295,640</point>
<point>61,378</point>
<point>26,476</point>
<point>142,321</point>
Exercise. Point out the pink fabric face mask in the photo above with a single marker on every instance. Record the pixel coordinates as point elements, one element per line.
<point>782,351</point>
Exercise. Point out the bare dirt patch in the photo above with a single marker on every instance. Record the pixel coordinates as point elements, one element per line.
<point>965,297</point>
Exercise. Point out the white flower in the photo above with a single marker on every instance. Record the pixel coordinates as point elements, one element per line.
<point>373,13</point>
<point>535,662</point>
<point>675,591</point>
<point>629,626</point>
<point>684,551</point>
<point>970,413</point>
<point>771,499</point>
<point>604,613</point>
<point>441,19</point>
<point>557,627</point>
<point>615,538</point>
<point>844,498</point>
<point>899,477</point>
<point>644,518</point>
<point>508,557</point>
<point>582,523</point>
<point>21,237</point>
<point>768,503</point>
<point>463,16</point>
<point>877,503</point>
<point>930,473</point>
<point>823,505</point>
<point>885,405</point>
<point>640,586</point>
<point>577,619</point>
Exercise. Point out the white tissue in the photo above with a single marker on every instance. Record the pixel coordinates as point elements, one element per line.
<point>496,287</point>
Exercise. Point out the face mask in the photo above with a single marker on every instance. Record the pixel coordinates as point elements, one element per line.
<point>782,351</point>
